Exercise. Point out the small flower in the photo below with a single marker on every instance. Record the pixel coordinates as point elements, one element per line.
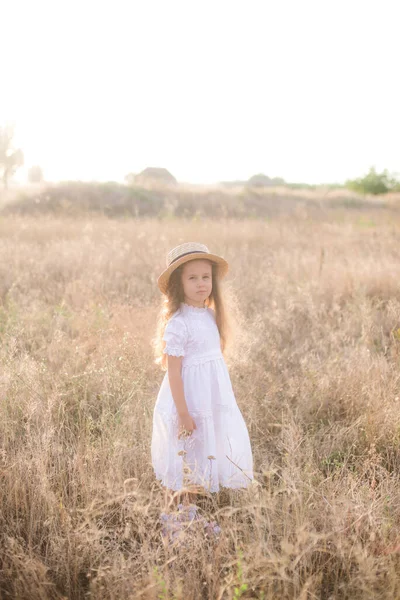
<point>182,452</point>
<point>212,528</point>
<point>217,529</point>
<point>211,457</point>
<point>192,512</point>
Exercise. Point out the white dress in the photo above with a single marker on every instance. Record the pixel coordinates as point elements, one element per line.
<point>218,453</point>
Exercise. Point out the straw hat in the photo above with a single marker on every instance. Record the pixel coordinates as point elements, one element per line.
<point>185,252</point>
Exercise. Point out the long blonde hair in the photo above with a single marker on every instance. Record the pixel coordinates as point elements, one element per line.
<point>171,301</point>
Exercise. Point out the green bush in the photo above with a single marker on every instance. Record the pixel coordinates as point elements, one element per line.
<point>374,183</point>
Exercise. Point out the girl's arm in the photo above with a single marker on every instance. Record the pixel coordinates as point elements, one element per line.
<point>185,420</point>
<point>176,383</point>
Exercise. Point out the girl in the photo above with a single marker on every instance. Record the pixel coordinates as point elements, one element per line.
<point>200,439</point>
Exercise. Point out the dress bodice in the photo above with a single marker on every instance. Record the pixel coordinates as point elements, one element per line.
<point>192,332</point>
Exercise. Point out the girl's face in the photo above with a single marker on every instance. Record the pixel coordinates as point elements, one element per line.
<point>197,281</point>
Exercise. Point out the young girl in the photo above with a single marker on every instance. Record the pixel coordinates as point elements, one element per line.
<point>199,437</point>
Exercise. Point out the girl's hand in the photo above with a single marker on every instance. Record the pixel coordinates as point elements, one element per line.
<point>186,425</point>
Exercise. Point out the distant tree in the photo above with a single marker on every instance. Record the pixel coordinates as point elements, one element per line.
<point>259,180</point>
<point>374,183</point>
<point>155,175</point>
<point>35,174</point>
<point>277,181</point>
<point>10,158</point>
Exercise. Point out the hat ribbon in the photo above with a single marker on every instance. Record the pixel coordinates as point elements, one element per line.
<point>191,252</point>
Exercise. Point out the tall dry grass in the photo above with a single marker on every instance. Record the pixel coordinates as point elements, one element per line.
<point>315,370</point>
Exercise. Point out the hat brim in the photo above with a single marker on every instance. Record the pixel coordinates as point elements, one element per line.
<point>222,264</point>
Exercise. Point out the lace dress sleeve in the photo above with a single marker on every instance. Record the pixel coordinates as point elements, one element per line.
<point>175,336</point>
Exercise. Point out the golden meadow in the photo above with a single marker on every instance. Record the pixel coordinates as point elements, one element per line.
<point>314,363</point>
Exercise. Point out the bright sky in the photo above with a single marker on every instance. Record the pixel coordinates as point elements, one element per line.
<point>212,90</point>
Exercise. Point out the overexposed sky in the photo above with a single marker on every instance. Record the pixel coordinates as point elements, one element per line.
<point>212,90</point>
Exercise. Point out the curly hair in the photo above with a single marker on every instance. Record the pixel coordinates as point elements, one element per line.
<point>171,303</point>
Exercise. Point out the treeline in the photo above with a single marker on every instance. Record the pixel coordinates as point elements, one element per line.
<point>118,200</point>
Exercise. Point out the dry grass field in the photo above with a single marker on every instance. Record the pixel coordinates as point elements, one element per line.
<point>315,366</point>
